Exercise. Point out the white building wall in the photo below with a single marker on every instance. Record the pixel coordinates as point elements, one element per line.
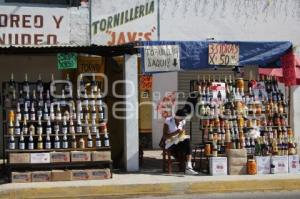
<point>79,23</point>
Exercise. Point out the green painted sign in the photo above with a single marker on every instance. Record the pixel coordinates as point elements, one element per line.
<point>66,61</point>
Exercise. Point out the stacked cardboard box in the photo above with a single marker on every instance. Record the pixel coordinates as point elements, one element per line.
<point>61,175</point>
<point>280,164</point>
<point>99,174</point>
<point>20,177</point>
<point>59,157</point>
<point>101,155</point>
<point>293,163</point>
<point>80,156</point>
<point>36,158</point>
<point>218,166</point>
<point>263,164</point>
<point>41,176</point>
<point>19,158</point>
<point>237,161</point>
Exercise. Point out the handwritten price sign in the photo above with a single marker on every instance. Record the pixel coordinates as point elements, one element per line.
<point>223,54</point>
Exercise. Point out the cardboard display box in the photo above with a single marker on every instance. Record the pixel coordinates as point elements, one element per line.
<point>218,166</point>
<point>61,175</point>
<point>39,158</point>
<point>237,153</point>
<point>59,157</point>
<point>293,163</point>
<point>81,175</point>
<point>263,164</point>
<point>17,158</point>
<point>41,176</point>
<point>238,170</point>
<point>80,156</point>
<point>281,164</point>
<point>237,161</point>
<point>101,156</point>
<point>99,174</point>
<point>20,177</point>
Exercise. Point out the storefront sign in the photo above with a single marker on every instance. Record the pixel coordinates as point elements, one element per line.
<point>223,54</point>
<point>66,61</point>
<point>28,26</point>
<point>120,21</point>
<point>161,58</point>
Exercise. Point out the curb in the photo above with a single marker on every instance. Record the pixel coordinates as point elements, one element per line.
<point>153,189</point>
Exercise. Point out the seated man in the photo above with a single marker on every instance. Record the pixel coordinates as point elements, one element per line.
<point>177,141</point>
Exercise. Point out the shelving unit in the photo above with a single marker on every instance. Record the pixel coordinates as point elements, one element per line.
<point>11,104</point>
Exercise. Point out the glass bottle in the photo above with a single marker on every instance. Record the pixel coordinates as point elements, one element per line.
<point>12,144</point>
<point>81,143</point>
<point>30,141</point>
<point>25,127</point>
<point>10,127</point>
<point>71,127</point>
<point>48,141</point>
<point>22,142</point>
<point>17,127</point>
<point>39,126</point>
<point>45,114</point>
<point>58,113</point>
<point>32,112</point>
<point>89,141</point>
<point>98,140</point>
<point>40,142</point>
<point>48,127</point>
<point>52,113</point>
<point>64,126</point>
<point>74,143</point>
<point>56,141</point>
<point>65,143</point>
<point>78,126</point>
<point>18,112</point>
<point>106,138</point>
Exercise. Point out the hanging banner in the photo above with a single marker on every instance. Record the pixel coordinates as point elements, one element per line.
<point>223,54</point>
<point>161,58</point>
<point>120,21</point>
<point>20,26</point>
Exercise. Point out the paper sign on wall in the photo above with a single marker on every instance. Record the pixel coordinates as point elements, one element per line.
<point>161,58</point>
<point>66,61</point>
<point>218,88</point>
<point>259,90</point>
<point>223,54</point>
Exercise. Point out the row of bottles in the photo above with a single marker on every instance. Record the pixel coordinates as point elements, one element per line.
<point>58,142</point>
<point>51,127</point>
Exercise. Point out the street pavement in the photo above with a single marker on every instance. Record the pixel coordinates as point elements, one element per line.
<point>244,195</point>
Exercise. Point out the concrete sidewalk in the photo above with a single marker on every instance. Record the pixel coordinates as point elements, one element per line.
<point>150,181</point>
<point>150,184</point>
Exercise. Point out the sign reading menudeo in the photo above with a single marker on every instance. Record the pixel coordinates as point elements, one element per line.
<point>161,58</point>
<point>28,26</point>
<point>223,54</point>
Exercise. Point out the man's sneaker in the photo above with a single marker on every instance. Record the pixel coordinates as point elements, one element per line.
<point>190,171</point>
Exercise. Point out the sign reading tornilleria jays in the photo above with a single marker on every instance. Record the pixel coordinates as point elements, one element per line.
<point>122,21</point>
<point>32,26</point>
